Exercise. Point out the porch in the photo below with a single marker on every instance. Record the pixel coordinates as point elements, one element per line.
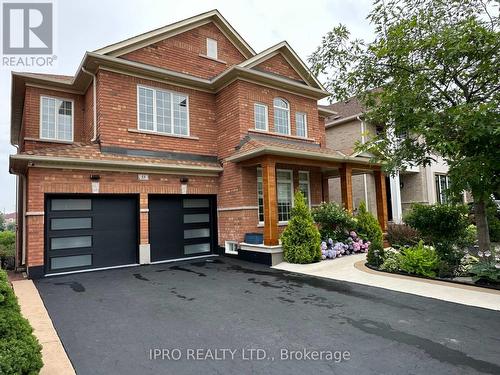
<point>271,159</point>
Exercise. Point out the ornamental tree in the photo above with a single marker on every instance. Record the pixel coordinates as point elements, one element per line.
<point>432,73</point>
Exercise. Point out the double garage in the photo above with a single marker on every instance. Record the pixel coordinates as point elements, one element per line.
<point>84,232</point>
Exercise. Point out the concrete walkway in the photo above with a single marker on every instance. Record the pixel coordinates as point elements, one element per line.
<point>55,359</point>
<point>351,268</point>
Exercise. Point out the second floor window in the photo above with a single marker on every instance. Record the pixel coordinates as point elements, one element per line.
<point>260,116</point>
<point>162,111</point>
<point>301,124</point>
<point>212,48</point>
<point>56,119</point>
<point>281,116</point>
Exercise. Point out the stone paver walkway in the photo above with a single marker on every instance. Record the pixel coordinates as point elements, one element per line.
<point>351,268</point>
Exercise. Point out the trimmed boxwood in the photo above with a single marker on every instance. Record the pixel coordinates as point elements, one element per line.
<point>20,352</point>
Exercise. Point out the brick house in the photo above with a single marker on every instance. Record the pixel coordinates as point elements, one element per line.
<point>416,184</point>
<point>169,145</point>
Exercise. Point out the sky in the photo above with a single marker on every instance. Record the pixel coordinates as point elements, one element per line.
<point>88,25</point>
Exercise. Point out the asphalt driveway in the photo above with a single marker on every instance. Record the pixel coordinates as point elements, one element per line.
<point>225,316</point>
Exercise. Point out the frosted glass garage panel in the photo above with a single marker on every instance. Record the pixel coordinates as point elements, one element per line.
<point>196,218</point>
<point>197,248</point>
<point>59,243</point>
<point>71,261</point>
<point>71,223</point>
<point>196,233</point>
<point>195,203</point>
<point>71,204</point>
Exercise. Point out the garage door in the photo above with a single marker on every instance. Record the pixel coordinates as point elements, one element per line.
<point>181,226</point>
<point>85,232</point>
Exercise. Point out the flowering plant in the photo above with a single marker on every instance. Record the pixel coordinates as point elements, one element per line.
<point>352,244</point>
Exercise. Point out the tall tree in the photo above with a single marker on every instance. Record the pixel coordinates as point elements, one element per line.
<point>432,72</point>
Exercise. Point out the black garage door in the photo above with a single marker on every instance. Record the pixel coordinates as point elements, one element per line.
<point>85,232</point>
<point>181,226</point>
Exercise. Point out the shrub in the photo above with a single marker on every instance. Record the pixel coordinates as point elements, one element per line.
<point>485,273</point>
<point>7,248</point>
<point>493,221</point>
<point>420,260</point>
<point>20,352</point>
<point>445,227</point>
<point>392,262</point>
<point>402,235</point>
<point>334,221</point>
<point>301,239</point>
<point>369,229</point>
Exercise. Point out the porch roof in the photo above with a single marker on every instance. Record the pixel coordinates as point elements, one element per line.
<point>255,148</point>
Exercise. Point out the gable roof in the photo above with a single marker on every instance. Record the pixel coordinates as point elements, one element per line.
<point>154,36</point>
<point>290,56</point>
<point>347,110</point>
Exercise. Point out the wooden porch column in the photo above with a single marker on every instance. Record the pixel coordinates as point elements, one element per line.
<point>346,186</point>
<point>325,189</point>
<point>270,202</point>
<point>381,195</point>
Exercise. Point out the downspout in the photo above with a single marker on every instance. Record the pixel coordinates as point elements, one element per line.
<point>365,183</point>
<point>94,99</point>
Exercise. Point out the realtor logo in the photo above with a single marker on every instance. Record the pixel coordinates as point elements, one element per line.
<point>27,28</point>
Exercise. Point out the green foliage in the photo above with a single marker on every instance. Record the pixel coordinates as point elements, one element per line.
<point>20,352</point>
<point>301,239</point>
<point>402,235</point>
<point>420,260</point>
<point>334,221</point>
<point>430,72</point>
<point>7,247</point>
<point>11,226</point>
<point>2,221</point>
<point>369,229</point>
<point>445,227</point>
<point>392,262</point>
<point>493,221</point>
<point>486,273</point>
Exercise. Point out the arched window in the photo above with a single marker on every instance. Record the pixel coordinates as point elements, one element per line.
<point>281,116</point>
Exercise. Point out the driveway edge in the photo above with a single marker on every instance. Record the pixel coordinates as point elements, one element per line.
<point>55,359</point>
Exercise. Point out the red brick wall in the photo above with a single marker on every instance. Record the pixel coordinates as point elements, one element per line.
<point>278,65</point>
<point>31,116</point>
<point>181,53</point>
<point>41,181</point>
<point>117,113</point>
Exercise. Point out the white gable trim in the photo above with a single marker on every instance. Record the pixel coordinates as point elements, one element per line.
<point>154,36</point>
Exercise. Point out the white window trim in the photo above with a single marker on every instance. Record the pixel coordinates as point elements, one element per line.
<point>438,191</point>
<point>216,57</point>
<point>288,111</point>
<point>226,247</point>
<point>305,124</point>
<point>155,125</point>
<point>290,171</point>
<point>56,124</point>
<point>308,186</point>
<point>266,116</point>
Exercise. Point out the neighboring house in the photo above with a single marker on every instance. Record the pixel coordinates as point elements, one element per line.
<point>169,145</point>
<point>414,185</point>
<point>10,217</point>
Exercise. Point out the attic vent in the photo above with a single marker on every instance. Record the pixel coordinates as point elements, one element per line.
<point>212,48</point>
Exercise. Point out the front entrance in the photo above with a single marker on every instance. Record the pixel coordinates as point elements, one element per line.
<point>182,226</point>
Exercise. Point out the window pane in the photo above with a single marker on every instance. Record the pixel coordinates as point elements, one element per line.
<point>71,204</point>
<point>180,114</point>
<point>48,118</point>
<point>260,115</point>
<point>260,198</point>
<point>196,218</point>
<point>211,48</point>
<point>64,120</point>
<point>163,112</point>
<point>70,242</point>
<point>71,223</point>
<point>146,109</point>
<point>71,261</point>
<point>300,122</point>
<point>196,233</point>
<point>197,248</point>
<point>195,203</point>
<point>304,185</point>
<point>281,124</point>
<point>284,175</point>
